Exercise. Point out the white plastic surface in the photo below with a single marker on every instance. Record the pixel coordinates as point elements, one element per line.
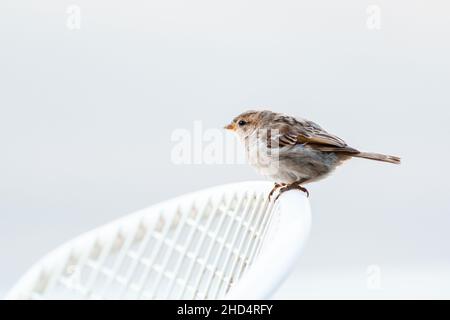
<point>227,242</point>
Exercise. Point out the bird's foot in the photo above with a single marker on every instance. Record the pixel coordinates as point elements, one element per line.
<point>275,188</point>
<point>292,186</point>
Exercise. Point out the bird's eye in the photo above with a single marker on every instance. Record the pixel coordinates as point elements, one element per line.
<point>242,123</point>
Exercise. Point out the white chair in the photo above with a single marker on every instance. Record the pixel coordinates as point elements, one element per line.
<point>227,242</point>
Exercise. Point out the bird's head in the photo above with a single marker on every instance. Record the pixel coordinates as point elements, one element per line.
<point>246,123</point>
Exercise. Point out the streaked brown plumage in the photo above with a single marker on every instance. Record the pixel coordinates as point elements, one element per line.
<point>293,151</point>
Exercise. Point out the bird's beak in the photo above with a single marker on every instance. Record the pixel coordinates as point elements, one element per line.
<point>231,126</point>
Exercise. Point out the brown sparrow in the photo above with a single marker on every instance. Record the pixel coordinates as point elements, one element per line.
<point>293,151</point>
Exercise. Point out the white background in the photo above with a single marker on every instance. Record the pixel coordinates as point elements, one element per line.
<point>86,118</point>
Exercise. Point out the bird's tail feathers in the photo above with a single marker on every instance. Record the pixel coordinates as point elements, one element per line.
<point>377,157</point>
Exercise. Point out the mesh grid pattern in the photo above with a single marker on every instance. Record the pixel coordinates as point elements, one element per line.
<point>193,250</point>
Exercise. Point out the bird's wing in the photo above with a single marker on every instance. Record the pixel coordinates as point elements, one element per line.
<point>311,134</point>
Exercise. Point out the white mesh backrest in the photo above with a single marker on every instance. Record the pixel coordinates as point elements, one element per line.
<point>193,247</point>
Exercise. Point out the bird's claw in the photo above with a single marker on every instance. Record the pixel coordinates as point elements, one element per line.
<point>292,187</point>
<point>275,188</point>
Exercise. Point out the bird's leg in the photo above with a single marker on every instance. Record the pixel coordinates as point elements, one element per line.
<point>275,188</point>
<point>292,186</point>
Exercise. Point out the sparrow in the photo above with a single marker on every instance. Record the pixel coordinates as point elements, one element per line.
<point>293,151</point>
